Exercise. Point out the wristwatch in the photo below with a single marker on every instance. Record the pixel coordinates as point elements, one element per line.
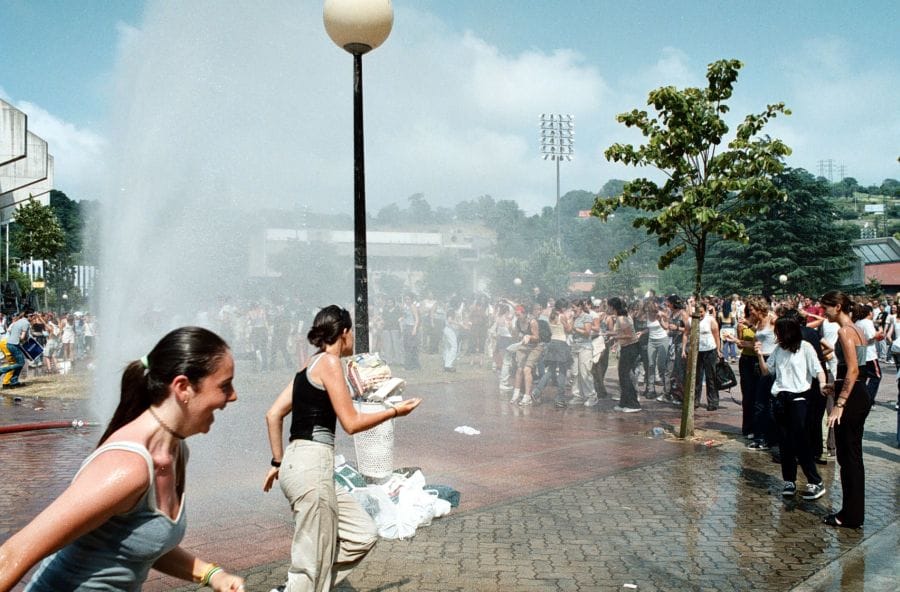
<point>276,463</point>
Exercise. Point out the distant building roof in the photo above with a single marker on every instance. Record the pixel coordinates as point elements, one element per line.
<point>877,250</point>
<point>880,258</point>
<point>887,274</point>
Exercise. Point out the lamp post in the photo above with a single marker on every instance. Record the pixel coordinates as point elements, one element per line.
<point>359,26</point>
<point>557,143</point>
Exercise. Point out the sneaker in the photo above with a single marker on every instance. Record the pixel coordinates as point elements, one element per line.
<point>790,488</point>
<point>631,409</point>
<point>617,408</point>
<point>757,445</point>
<point>575,401</point>
<point>664,399</point>
<point>526,400</point>
<point>591,402</point>
<point>560,403</point>
<point>515,398</point>
<point>813,491</point>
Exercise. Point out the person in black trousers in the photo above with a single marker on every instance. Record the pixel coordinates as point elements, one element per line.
<point>794,365</point>
<point>851,407</point>
<point>748,370</point>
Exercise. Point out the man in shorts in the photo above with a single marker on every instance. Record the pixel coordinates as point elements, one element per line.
<point>527,356</point>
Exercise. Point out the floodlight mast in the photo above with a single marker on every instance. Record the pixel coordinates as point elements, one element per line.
<point>557,143</point>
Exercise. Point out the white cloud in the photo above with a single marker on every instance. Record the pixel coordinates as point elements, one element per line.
<point>844,109</point>
<point>78,153</point>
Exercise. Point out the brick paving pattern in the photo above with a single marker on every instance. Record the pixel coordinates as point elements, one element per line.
<point>574,499</point>
<point>712,521</point>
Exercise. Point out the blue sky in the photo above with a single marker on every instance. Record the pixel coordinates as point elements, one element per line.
<point>452,98</point>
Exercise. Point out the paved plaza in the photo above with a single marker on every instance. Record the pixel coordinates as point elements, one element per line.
<point>579,499</point>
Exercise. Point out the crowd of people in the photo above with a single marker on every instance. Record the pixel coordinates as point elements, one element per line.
<point>807,370</point>
<point>36,342</point>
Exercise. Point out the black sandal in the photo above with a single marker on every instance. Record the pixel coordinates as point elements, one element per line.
<point>833,520</point>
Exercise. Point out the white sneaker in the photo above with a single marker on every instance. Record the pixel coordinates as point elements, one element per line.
<point>631,409</point>
<point>515,398</point>
<point>813,491</point>
<point>591,402</point>
<point>526,400</point>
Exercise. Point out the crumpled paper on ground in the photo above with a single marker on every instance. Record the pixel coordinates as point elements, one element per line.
<point>469,431</point>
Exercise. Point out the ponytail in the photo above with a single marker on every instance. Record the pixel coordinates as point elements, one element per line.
<point>193,352</point>
<point>838,298</point>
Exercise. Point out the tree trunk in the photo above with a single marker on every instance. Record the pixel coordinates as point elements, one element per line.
<point>690,375</point>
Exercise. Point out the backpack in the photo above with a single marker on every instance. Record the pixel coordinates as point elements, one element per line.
<point>543,331</point>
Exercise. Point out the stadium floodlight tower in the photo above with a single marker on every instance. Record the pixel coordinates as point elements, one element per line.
<point>557,143</point>
<point>359,26</point>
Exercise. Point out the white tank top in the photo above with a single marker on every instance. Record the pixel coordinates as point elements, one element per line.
<point>707,341</point>
<point>656,331</point>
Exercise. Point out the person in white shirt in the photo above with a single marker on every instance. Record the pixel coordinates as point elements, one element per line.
<point>793,364</point>
<point>862,318</point>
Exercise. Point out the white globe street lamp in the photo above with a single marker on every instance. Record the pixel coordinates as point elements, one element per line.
<point>359,26</point>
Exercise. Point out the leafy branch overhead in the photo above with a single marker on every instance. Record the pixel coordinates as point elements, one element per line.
<point>709,189</point>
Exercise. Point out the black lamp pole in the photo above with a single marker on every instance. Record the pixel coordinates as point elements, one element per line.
<point>360,263</point>
<point>359,26</point>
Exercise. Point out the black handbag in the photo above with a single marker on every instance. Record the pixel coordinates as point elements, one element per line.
<point>725,378</point>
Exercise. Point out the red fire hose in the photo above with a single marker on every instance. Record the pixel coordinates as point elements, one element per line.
<point>45,425</point>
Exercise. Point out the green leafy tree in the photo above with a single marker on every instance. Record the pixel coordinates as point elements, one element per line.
<point>419,209</point>
<point>874,290</point>
<point>709,189</point>
<point>389,215</point>
<point>799,237</point>
<point>302,267</point>
<point>623,283</point>
<point>444,274</point>
<point>549,269</point>
<point>503,280</point>
<point>890,187</point>
<point>37,233</point>
<point>69,215</point>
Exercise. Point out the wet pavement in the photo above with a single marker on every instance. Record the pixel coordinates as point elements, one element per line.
<point>573,499</point>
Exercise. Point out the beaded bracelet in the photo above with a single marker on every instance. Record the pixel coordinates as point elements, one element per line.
<point>212,570</point>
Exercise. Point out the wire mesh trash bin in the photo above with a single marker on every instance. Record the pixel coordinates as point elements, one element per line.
<point>375,446</point>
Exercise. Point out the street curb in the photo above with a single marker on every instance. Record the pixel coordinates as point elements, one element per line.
<point>871,565</point>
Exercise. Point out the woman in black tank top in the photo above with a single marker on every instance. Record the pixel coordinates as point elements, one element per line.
<point>316,399</point>
<point>849,413</point>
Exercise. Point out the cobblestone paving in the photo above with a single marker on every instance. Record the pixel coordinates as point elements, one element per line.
<point>658,514</point>
<point>711,521</point>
